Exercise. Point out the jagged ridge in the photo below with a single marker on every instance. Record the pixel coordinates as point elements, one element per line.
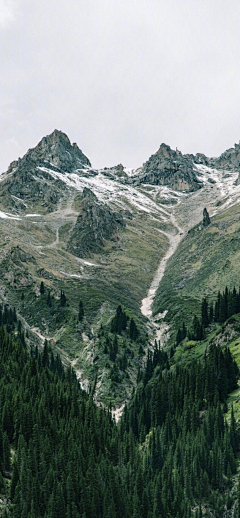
<point>171,168</point>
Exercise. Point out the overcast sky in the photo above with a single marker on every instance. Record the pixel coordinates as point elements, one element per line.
<point>120,76</point>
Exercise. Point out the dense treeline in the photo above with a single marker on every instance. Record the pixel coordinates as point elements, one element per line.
<point>61,456</point>
<point>58,448</point>
<point>120,321</point>
<point>226,305</point>
<point>189,450</point>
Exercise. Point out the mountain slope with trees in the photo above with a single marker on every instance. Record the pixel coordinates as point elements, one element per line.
<point>172,454</point>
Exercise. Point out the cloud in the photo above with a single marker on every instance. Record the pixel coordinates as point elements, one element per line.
<point>120,77</point>
<point>7,12</point>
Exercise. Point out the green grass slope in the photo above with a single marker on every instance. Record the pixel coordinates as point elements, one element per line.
<point>206,260</point>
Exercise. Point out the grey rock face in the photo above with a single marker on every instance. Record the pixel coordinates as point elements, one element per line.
<point>54,150</point>
<point>171,168</point>
<point>206,218</point>
<point>116,173</point>
<point>87,193</point>
<point>229,160</point>
<point>199,158</point>
<point>27,183</point>
<point>18,256</point>
<point>95,224</point>
<point>25,188</point>
<point>14,268</point>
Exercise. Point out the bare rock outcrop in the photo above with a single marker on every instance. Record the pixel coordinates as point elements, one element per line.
<point>229,160</point>
<point>171,168</point>
<point>96,224</point>
<point>29,182</point>
<point>206,219</point>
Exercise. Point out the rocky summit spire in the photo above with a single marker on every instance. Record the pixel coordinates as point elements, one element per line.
<point>206,218</point>
<point>31,179</point>
<point>55,150</point>
<point>170,167</point>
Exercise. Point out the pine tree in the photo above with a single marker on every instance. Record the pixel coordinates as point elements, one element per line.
<point>6,452</point>
<point>133,330</point>
<point>63,299</point>
<point>80,311</point>
<point>49,300</point>
<point>42,289</point>
<point>205,317</point>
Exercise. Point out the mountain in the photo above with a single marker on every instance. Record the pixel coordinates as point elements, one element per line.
<point>97,239</point>
<point>229,160</point>
<point>171,168</point>
<point>28,178</point>
<point>123,283</point>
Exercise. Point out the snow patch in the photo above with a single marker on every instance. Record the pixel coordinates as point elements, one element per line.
<point>90,264</point>
<point>130,171</point>
<point>73,275</point>
<point>108,191</point>
<point>32,215</point>
<point>6,215</point>
<point>19,199</point>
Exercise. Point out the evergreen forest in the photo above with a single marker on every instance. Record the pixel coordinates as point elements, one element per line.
<point>173,454</point>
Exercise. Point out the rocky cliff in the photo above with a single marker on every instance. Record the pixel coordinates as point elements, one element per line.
<point>171,168</point>
<point>54,150</point>
<point>206,219</point>
<point>96,224</point>
<point>229,160</point>
<point>28,183</point>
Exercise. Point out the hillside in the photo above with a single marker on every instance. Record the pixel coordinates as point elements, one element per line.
<point>174,452</point>
<point>206,261</point>
<point>119,298</point>
<point>72,235</point>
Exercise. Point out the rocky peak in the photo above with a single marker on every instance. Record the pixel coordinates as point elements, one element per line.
<point>115,173</point>
<point>200,158</point>
<point>166,151</point>
<point>54,150</point>
<point>229,160</point>
<point>169,167</point>
<point>29,183</point>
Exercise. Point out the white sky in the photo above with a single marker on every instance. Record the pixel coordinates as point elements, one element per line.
<point>120,76</point>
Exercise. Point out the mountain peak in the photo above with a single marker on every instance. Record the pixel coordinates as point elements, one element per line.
<point>166,150</point>
<point>229,160</point>
<point>164,147</point>
<point>169,167</point>
<point>57,149</point>
<point>57,136</point>
<point>54,150</point>
<point>30,178</point>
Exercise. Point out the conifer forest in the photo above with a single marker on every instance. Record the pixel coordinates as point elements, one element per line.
<point>172,454</point>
